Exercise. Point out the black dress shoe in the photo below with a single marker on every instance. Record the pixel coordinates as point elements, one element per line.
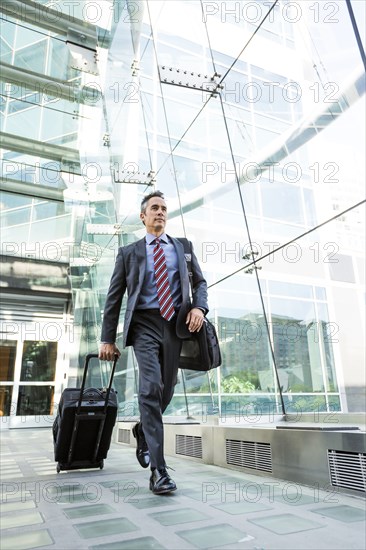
<point>161,482</point>
<point>142,451</point>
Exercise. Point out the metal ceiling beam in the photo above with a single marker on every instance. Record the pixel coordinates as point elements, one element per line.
<point>64,155</point>
<point>50,19</point>
<point>53,87</point>
<point>42,192</point>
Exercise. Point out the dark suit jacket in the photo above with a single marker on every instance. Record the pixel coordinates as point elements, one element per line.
<point>129,273</point>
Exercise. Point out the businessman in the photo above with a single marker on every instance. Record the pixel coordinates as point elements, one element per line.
<point>159,314</point>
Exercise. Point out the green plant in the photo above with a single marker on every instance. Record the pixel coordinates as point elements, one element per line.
<point>234,384</point>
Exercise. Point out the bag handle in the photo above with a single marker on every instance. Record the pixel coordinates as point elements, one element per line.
<point>86,365</point>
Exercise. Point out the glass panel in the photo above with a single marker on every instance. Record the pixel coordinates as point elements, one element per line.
<point>5,52</point>
<point>29,169</point>
<point>275,200</point>
<point>8,31</point>
<point>24,123</point>
<point>328,334</point>
<point>8,351</point>
<point>290,289</point>
<point>320,293</point>
<point>334,403</point>
<point>59,118</point>
<point>35,400</point>
<point>38,361</point>
<point>32,57</point>
<point>6,393</point>
<point>59,57</point>
<point>54,228</point>
<point>47,209</point>
<point>34,228</point>
<point>294,169</point>
<point>15,209</point>
<point>305,403</point>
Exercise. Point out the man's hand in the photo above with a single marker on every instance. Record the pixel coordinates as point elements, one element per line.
<point>195,319</point>
<point>108,351</point>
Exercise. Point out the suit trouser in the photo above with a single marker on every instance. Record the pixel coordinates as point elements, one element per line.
<point>157,349</point>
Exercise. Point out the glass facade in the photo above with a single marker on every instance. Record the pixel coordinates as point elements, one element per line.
<point>247,115</point>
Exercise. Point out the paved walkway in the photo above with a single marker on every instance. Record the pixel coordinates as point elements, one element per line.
<point>113,508</point>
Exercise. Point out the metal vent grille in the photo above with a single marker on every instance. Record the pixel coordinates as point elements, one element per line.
<point>188,445</point>
<point>249,454</point>
<point>124,436</point>
<point>31,309</point>
<point>347,469</point>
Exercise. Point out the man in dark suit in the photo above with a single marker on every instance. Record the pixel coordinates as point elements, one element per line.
<point>159,314</point>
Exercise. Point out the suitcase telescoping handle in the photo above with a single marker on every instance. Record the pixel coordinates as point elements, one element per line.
<point>86,365</point>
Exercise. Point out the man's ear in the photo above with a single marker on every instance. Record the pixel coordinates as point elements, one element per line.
<point>142,217</point>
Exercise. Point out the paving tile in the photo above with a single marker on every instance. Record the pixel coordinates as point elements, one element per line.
<point>7,472</point>
<point>196,495</point>
<point>241,507</point>
<point>155,501</point>
<point>11,475</point>
<point>17,506</point>
<point>143,543</point>
<point>130,491</point>
<point>64,488</point>
<point>20,496</point>
<point>214,536</point>
<point>284,524</point>
<point>204,474</point>
<point>70,493</point>
<point>45,472</point>
<point>230,492</point>
<point>105,528</point>
<point>114,483</point>
<point>182,515</point>
<point>70,498</point>
<point>294,499</point>
<point>26,541</point>
<point>89,510</point>
<point>21,519</point>
<point>39,460</point>
<point>347,514</point>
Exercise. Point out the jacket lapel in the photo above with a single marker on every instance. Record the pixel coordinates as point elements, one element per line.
<point>140,252</point>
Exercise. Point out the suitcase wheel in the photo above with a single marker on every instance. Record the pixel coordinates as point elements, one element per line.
<point>101,465</point>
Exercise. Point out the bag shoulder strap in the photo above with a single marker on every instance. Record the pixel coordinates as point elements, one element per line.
<point>187,245</point>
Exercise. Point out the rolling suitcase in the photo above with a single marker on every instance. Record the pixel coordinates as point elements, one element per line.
<point>84,423</point>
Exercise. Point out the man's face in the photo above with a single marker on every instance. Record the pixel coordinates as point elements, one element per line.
<point>155,216</point>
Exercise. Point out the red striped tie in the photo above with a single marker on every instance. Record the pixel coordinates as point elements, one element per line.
<point>162,283</point>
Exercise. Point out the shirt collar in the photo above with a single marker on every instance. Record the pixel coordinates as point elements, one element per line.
<point>151,238</point>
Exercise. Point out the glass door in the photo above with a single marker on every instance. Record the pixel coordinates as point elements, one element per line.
<point>29,383</point>
<point>8,351</point>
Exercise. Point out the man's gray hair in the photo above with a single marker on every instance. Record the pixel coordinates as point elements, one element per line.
<point>146,199</point>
